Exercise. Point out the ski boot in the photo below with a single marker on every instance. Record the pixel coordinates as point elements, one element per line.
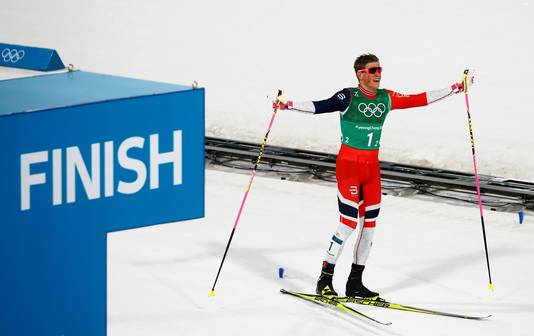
<point>355,287</point>
<point>324,284</point>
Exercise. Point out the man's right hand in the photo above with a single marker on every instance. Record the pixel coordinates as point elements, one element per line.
<point>281,105</point>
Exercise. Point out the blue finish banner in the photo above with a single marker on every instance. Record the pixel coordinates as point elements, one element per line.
<point>24,57</point>
<point>70,175</point>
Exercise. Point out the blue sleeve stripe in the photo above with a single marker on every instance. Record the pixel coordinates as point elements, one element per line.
<point>338,102</point>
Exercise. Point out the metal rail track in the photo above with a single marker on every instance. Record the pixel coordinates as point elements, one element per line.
<point>498,193</point>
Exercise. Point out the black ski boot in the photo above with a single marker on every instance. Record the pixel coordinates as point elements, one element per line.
<point>324,284</point>
<point>355,287</point>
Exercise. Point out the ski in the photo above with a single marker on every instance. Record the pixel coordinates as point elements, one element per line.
<point>332,301</point>
<point>386,304</point>
<point>379,302</point>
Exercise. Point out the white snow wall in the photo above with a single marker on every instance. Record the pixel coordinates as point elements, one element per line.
<point>242,51</point>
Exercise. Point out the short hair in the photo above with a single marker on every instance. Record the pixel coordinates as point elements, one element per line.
<point>363,60</point>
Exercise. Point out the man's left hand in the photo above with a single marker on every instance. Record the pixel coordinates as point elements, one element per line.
<point>459,87</point>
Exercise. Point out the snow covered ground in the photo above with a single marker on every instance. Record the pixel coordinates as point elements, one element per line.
<point>425,253</point>
<point>242,51</point>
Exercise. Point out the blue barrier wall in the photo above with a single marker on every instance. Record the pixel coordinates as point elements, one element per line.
<point>24,57</point>
<point>100,154</point>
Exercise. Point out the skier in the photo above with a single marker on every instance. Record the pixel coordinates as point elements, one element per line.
<point>363,110</point>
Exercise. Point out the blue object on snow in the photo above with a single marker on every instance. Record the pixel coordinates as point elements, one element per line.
<point>25,57</point>
<point>521,216</point>
<point>281,272</point>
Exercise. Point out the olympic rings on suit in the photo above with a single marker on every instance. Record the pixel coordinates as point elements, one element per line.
<point>372,109</point>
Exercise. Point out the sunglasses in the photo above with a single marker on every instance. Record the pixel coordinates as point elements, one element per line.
<point>373,70</point>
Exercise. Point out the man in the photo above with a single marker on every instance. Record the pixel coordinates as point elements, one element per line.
<point>363,111</point>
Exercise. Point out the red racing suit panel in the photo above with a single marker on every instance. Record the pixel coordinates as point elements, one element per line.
<point>359,185</point>
<point>403,101</point>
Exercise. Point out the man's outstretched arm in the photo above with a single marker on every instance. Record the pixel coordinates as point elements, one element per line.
<point>403,101</point>
<point>340,101</point>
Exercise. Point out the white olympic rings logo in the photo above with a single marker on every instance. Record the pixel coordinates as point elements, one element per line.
<point>372,109</point>
<point>12,55</point>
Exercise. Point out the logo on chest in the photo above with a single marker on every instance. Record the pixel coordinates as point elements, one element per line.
<point>371,109</point>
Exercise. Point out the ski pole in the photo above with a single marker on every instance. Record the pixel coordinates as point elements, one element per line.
<point>278,98</point>
<point>477,181</point>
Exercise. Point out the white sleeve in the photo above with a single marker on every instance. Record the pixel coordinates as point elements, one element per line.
<point>305,107</point>
<point>436,95</point>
